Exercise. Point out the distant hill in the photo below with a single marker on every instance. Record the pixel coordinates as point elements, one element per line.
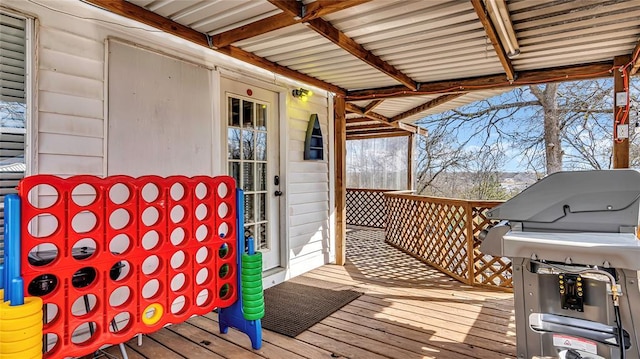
<point>515,182</point>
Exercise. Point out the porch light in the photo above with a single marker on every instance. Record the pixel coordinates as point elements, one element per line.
<point>500,18</point>
<point>302,94</point>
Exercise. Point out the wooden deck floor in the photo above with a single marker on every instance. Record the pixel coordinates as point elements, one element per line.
<point>408,311</point>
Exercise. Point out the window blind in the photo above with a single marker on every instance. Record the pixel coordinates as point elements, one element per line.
<point>12,109</point>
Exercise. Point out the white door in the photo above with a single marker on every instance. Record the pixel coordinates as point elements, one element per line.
<point>251,115</point>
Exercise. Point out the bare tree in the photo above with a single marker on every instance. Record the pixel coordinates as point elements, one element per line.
<point>548,123</point>
<point>437,154</point>
<point>484,176</point>
<point>12,114</point>
<point>548,99</point>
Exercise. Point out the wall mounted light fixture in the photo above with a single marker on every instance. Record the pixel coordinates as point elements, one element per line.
<point>500,17</point>
<point>301,93</point>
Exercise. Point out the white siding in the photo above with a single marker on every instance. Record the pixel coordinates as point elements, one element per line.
<point>308,188</point>
<point>70,101</point>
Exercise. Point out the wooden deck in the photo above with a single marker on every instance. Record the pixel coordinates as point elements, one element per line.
<point>408,311</point>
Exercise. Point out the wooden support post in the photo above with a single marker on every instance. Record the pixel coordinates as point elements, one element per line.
<point>340,138</point>
<point>471,273</point>
<point>411,139</point>
<point>620,147</point>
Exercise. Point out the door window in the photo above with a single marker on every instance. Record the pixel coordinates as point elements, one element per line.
<point>247,158</point>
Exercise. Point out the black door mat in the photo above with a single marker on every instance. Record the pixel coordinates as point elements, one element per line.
<point>291,308</point>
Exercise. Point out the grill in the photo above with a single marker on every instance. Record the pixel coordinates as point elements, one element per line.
<point>573,241</point>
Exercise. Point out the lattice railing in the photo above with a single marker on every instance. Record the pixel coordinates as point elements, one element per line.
<point>365,207</point>
<point>444,233</point>
<point>488,270</point>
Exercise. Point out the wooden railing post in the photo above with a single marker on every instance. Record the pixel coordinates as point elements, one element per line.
<point>340,139</point>
<point>468,209</point>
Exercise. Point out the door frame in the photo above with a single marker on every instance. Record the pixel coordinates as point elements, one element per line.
<point>221,168</point>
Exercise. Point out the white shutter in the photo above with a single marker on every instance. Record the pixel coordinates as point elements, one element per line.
<point>12,58</point>
<point>12,109</point>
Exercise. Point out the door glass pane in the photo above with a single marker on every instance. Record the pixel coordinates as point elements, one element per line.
<point>261,118</point>
<point>247,114</point>
<point>262,206</point>
<point>250,231</point>
<point>248,177</point>
<point>261,146</point>
<point>248,145</point>
<point>233,143</point>
<point>262,176</point>
<point>249,208</point>
<point>262,237</point>
<point>234,112</point>
<point>234,171</point>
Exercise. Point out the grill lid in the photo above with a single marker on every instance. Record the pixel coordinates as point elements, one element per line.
<point>580,201</point>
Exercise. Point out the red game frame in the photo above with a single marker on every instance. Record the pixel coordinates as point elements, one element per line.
<point>165,241</point>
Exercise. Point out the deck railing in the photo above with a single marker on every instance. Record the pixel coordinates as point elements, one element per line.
<point>443,233</point>
<point>365,207</point>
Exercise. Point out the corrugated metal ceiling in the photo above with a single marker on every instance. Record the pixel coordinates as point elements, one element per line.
<point>552,33</point>
<point>303,50</point>
<point>426,40</point>
<point>210,16</point>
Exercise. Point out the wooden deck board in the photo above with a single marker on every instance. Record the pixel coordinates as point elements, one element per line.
<point>408,310</point>
<point>243,345</point>
<point>297,347</point>
<point>152,349</point>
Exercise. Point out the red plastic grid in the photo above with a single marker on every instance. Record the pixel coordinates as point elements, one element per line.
<point>162,241</point>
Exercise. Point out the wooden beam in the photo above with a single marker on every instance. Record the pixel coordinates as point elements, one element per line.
<point>353,108</point>
<point>557,74</point>
<point>259,27</point>
<point>293,7</point>
<point>358,120</point>
<point>377,117</point>
<point>287,18</point>
<point>350,107</point>
<point>425,106</point>
<point>379,131</point>
<point>139,14</point>
<point>383,135</point>
<point>351,46</point>
<point>316,9</point>
<point>370,115</point>
<point>490,30</point>
<point>376,126</point>
<point>411,128</point>
<point>372,105</point>
<point>251,58</point>
<point>635,54</point>
<point>340,210</point>
<point>620,146</point>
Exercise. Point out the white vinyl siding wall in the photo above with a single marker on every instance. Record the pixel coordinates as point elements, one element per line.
<point>71,102</point>
<point>308,188</point>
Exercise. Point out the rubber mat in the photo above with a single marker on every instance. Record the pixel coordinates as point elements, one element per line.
<point>291,308</point>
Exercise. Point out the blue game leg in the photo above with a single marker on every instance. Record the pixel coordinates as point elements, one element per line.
<point>232,316</point>
<point>12,282</point>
